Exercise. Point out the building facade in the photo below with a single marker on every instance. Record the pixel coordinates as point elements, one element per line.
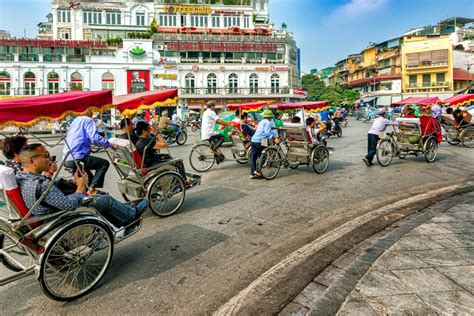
<point>224,50</point>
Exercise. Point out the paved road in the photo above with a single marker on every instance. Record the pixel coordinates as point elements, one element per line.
<point>232,229</point>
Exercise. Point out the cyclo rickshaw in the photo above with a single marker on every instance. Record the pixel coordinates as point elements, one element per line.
<point>201,157</point>
<point>69,252</point>
<point>295,149</point>
<point>453,133</point>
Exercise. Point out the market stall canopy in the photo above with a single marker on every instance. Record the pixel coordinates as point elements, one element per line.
<point>26,112</point>
<point>248,107</point>
<point>310,106</point>
<point>459,100</point>
<point>131,103</point>
<point>421,101</point>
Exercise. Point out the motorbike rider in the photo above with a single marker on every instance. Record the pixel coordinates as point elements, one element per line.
<point>326,118</point>
<point>165,125</point>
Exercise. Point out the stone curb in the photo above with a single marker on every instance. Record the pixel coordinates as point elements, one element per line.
<point>275,288</point>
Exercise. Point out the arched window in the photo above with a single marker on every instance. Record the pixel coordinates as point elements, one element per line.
<point>253,83</point>
<point>53,82</point>
<point>190,83</point>
<point>107,81</point>
<point>233,83</point>
<point>5,83</point>
<point>29,83</point>
<point>275,83</point>
<point>76,81</point>
<point>211,84</point>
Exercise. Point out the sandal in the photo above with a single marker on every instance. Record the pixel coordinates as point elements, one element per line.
<point>254,176</point>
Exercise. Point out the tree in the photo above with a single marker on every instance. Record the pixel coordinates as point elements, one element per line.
<point>154,27</point>
<point>350,96</point>
<point>314,87</point>
<point>284,26</point>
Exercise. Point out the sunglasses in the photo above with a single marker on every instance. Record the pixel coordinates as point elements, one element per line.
<point>45,155</point>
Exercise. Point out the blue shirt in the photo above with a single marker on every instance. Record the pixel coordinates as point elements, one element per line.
<point>325,115</point>
<point>81,135</point>
<point>265,130</point>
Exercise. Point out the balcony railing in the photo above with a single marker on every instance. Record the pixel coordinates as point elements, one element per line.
<point>7,57</point>
<point>234,91</point>
<point>220,38</point>
<point>76,58</point>
<point>52,58</point>
<point>28,57</point>
<point>428,85</point>
<point>428,64</point>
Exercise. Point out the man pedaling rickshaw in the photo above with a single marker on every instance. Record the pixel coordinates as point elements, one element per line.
<point>209,120</point>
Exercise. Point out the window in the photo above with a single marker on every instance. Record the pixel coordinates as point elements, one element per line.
<point>231,21</point>
<point>190,83</point>
<point>198,21</point>
<point>113,18</point>
<point>76,81</point>
<point>167,20</point>
<point>107,81</point>
<point>275,83</point>
<point>233,83</point>
<point>216,21</point>
<point>253,84</point>
<point>440,77</point>
<point>246,21</point>
<point>211,84</point>
<point>413,80</point>
<point>140,18</point>
<point>426,80</point>
<point>29,83</point>
<point>64,16</point>
<point>92,17</point>
<point>5,83</point>
<point>53,83</point>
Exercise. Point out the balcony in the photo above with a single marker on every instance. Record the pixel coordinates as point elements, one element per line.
<point>7,57</point>
<point>428,64</point>
<point>189,60</point>
<point>443,85</point>
<point>53,58</point>
<point>233,92</point>
<point>28,57</point>
<point>76,58</point>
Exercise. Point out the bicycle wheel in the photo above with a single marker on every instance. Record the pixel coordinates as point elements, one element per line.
<point>385,153</point>
<point>320,159</point>
<point>17,256</point>
<point>182,138</point>
<point>268,164</point>
<point>76,259</point>
<point>166,193</point>
<point>201,158</point>
<point>467,137</point>
<point>431,149</point>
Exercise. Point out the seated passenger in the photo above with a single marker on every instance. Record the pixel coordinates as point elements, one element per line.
<point>11,147</point>
<point>429,125</point>
<point>152,142</point>
<point>463,117</point>
<point>312,131</point>
<point>35,160</point>
<point>127,128</point>
<point>247,129</point>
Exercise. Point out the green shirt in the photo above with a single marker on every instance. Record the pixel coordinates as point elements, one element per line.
<point>278,123</point>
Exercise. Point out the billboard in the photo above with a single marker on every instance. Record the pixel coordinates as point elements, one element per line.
<point>138,80</point>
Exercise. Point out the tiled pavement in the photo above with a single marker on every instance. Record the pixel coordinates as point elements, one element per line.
<point>427,270</point>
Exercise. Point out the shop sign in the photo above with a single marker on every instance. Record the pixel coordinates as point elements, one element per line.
<point>166,66</point>
<point>299,91</point>
<point>228,12</point>
<point>137,51</point>
<point>281,68</point>
<point>22,42</point>
<point>222,47</point>
<point>138,80</point>
<point>187,9</point>
<point>166,76</point>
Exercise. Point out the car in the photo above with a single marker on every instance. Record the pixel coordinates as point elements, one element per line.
<point>227,116</point>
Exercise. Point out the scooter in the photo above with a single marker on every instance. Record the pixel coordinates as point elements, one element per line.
<point>179,138</point>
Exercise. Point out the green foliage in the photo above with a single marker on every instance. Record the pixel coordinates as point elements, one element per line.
<point>350,96</point>
<point>314,86</point>
<point>143,35</point>
<point>284,26</point>
<point>317,91</point>
<point>154,26</point>
<point>114,41</point>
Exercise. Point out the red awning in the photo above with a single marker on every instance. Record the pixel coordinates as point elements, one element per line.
<point>248,107</point>
<point>421,101</point>
<point>311,106</point>
<point>26,112</point>
<point>459,99</point>
<point>462,75</point>
<point>131,103</point>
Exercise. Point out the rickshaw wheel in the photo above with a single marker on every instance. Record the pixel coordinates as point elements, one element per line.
<point>431,149</point>
<point>201,158</point>
<point>76,258</point>
<point>467,137</point>
<point>385,153</point>
<point>18,252</point>
<point>166,193</point>
<point>453,141</point>
<point>182,138</point>
<point>242,161</point>
<point>320,159</point>
<point>268,164</point>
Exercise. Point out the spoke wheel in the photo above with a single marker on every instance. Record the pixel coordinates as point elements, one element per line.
<point>467,137</point>
<point>75,260</point>
<point>182,138</point>
<point>201,158</point>
<point>453,141</point>
<point>166,193</point>
<point>385,153</point>
<point>240,160</point>
<point>268,164</point>
<point>320,159</point>
<point>18,252</point>
<point>431,149</point>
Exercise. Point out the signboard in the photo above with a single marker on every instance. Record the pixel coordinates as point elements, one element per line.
<point>228,12</point>
<point>166,76</point>
<point>187,9</point>
<point>273,68</point>
<point>222,47</point>
<point>138,80</point>
<point>299,91</point>
<point>25,42</point>
<point>137,51</point>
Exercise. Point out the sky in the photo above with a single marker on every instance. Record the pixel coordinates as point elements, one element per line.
<point>325,30</point>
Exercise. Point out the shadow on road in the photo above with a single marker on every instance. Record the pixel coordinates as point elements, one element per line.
<point>209,198</point>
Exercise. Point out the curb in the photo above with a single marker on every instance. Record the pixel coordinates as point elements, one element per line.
<point>275,288</point>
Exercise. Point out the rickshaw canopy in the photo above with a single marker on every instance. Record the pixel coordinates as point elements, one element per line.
<point>421,101</point>
<point>26,112</point>
<point>131,103</point>
<point>459,100</point>
<point>310,106</point>
<point>248,107</point>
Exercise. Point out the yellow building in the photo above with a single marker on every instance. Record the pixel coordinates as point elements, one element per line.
<point>427,64</point>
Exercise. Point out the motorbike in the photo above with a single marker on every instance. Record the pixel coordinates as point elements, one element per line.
<point>195,126</point>
<point>335,130</point>
<point>180,136</point>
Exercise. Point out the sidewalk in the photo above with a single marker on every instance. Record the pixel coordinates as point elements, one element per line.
<point>422,265</point>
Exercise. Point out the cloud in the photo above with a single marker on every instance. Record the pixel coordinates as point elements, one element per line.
<point>355,9</point>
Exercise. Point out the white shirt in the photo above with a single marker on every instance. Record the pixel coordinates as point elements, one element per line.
<point>175,118</point>
<point>380,124</point>
<point>209,119</point>
<point>313,134</point>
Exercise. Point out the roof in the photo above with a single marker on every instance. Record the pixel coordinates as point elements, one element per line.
<point>375,79</point>
<point>461,74</point>
<point>422,101</point>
